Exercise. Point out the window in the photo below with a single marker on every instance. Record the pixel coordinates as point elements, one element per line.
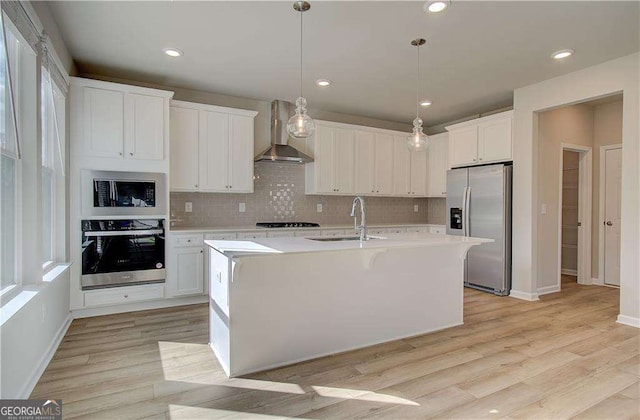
<point>9,162</point>
<point>52,113</point>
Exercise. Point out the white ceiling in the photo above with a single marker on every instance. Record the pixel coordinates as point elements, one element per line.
<point>476,54</point>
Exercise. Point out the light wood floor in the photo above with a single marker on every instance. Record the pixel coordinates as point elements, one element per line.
<point>561,357</point>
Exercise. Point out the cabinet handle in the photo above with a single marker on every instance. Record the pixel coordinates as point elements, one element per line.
<point>230,186</point>
<point>120,153</point>
<point>475,160</point>
<point>201,251</point>
<point>126,296</point>
<point>196,185</point>
<point>479,158</point>
<point>131,153</point>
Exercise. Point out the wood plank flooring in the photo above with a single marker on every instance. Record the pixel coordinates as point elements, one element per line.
<point>561,357</point>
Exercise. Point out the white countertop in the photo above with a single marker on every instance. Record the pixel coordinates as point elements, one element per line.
<point>292,245</point>
<point>254,228</point>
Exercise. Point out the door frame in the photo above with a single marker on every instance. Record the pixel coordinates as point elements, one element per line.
<point>601,188</point>
<point>585,185</point>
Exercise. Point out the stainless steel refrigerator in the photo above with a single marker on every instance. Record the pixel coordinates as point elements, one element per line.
<point>479,205</point>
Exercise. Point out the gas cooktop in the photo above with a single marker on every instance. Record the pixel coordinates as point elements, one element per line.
<point>286,224</point>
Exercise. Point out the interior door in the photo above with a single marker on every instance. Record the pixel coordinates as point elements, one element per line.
<point>486,263</point>
<point>612,185</point>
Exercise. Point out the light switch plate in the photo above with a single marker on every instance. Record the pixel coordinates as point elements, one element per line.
<point>242,208</point>
<point>319,208</point>
<point>188,207</point>
<point>415,208</point>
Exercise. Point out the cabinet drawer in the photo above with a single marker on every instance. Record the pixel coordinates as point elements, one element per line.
<point>440,230</point>
<point>227,236</point>
<point>119,295</point>
<point>333,232</point>
<point>280,234</point>
<point>189,240</point>
<point>252,235</point>
<point>418,229</point>
<point>308,233</point>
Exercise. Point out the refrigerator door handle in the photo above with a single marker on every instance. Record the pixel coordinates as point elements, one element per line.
<point>467,219</point>
<point>464,212</point>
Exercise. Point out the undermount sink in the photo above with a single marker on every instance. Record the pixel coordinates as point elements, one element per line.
<point>341,238</point>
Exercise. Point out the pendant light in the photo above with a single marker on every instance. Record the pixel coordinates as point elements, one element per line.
<point>417,141</point>
<point>301,126</point>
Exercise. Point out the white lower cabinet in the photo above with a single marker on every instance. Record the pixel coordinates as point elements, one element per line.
<point>251,235</point>
<point>185,267</point>
<point>120,295</point>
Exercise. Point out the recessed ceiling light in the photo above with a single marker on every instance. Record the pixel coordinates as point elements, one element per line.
<point>323,82</point>
<point>173,52</point>
<point>559,55</point>
<point>425,103</point>
<point>435,6</point>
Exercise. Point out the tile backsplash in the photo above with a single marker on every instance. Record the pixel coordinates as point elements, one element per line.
<point>279,196</point>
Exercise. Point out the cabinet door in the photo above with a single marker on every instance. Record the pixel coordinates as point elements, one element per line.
<point>240,154</point>
<point>324,159</point>
<point>437,166</point>
<point>383,164</point>
<point>144,136</point>
<point>364,144</point>
<point>494,140</point>
<point>344,148</point>
<point>103,122</point>
<point>214,151</point>
<point>184,149</point>
<point>189,264</point>
<point>418,174</point>
<point>401,166</point>
<point>463,146</point>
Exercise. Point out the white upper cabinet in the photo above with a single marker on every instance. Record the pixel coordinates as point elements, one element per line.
<point>211,148</point>
<point>332,171</point>
<point>373,163</point>
<point>120,121</point>
<point>103,118</point>
<point>480,141</point>
<point>144,126</point>
<point>409,170</point>
<point>437,165</point>
<point>184,149</point>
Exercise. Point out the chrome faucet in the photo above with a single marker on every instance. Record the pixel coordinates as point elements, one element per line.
<point>363,219</point>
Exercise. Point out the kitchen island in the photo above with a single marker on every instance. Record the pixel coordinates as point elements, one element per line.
<point>277,301</point>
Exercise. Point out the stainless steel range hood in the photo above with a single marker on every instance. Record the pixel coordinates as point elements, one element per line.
<point>280,151</point>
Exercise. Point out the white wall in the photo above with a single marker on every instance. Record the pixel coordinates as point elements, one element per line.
<point>31,335</point>
<point>574,125</point>
<point>620,75</point>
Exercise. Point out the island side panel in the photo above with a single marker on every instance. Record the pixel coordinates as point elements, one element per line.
<point>220,268</point>
<point>289,308</point>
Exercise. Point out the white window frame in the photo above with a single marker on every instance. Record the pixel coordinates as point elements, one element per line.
<point>10,291</point>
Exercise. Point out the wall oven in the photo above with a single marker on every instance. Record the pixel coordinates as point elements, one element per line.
<point>122,253</point>
<point>107,193</point>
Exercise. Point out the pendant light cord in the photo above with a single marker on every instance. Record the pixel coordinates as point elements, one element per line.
<point>418,81</point>
<point>301,12</point>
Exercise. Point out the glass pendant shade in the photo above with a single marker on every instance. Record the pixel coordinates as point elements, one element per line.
<point>300,125</point>
<point>417,141</point>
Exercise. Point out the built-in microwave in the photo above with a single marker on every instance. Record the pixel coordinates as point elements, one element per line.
<point>108,193</point>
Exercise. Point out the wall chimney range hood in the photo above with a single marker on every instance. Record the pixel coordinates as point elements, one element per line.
<point>280,151</point>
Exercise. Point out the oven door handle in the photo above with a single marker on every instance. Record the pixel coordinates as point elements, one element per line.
<point>125,232</point>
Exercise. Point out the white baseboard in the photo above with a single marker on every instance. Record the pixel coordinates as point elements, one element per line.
<point>523,295</point>
<point>569,272</point>
<point>628,320</point>
<point>139,306</point>
<point>596,281</point>
<point>548,289</point>
<point>28,387</point>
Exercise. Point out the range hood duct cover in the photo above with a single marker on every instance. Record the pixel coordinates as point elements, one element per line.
<point>280,151</point>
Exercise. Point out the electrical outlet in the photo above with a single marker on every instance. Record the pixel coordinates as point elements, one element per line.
<point>543,209</point>
<point>242,208</point>
<point>188,207</point>
<point>319,208</point>
<point>415,208</point>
